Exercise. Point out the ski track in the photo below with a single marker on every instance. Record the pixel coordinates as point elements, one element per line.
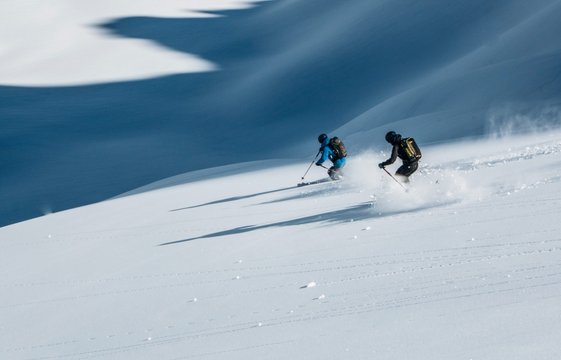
<point>494,265</point>
<point>381,298</point>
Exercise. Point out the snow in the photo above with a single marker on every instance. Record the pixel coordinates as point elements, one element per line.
<point>244,265</point>
<point>62,42</point>
<point>103,98</point>
<point>238,262</point>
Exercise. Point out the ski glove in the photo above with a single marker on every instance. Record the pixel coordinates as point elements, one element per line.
<point>382,165</point>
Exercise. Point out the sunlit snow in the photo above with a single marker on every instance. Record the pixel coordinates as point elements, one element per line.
<point>230,258</point>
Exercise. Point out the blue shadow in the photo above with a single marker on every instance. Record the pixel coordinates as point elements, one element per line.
<point>62,147</point>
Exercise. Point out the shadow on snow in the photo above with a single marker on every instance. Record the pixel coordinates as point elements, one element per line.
<point>354,213</point>
<point>287,70</point>
<point>235,198</point>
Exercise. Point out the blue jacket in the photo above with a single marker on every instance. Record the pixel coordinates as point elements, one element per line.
<point>327,153</point>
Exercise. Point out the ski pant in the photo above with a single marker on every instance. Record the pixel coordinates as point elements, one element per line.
<point>334,172</point>
<point>407,169</point>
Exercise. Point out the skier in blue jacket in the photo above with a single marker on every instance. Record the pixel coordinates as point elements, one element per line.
<point>334,152</point>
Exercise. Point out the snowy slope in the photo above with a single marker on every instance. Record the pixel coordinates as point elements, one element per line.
<point>233,260</point>
<point>511,74</point>
<point>63,44</point>
<point>275,76</point>
<point>238,263</point>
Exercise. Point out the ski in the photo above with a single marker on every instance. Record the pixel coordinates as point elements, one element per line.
<point>320,181</point>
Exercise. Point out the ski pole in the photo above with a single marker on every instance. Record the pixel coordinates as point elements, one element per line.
<point>309,167</point>
<point>400,184</point>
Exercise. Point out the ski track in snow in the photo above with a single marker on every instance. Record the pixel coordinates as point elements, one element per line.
<point>493,252</point>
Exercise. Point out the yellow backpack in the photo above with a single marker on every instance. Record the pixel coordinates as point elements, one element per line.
<point>411,149</point>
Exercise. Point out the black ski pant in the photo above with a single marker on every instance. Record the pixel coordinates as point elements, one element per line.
<point>407,169</point>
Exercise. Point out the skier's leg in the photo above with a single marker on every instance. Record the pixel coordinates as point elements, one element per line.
<point>335,172</point>
<point>406,170</point>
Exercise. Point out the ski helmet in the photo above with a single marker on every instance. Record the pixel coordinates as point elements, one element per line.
<point>322,138</point>
<point>391,136</point>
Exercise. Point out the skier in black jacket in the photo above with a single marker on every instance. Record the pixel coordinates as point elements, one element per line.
<point>409,165</point>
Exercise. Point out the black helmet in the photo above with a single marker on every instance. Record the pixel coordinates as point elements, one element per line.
<point>322,138</point>
<point>391,136</point>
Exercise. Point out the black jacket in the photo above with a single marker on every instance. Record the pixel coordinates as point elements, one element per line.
<point>397,152</point>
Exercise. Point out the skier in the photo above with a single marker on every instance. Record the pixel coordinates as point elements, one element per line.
<point>407,150</point>
<point>334,150</point>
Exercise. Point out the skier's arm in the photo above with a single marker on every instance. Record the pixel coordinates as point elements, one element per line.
<point>324,155</point>
<point>393,158</point>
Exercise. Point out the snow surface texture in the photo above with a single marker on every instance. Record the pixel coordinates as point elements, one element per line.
<point>236,261</point>
<point>239,263</point>
<point>283,71</point>
<point>62,42</point>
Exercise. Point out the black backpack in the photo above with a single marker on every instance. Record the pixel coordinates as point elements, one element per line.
<point>338,148</point>
<point>410,149</point>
